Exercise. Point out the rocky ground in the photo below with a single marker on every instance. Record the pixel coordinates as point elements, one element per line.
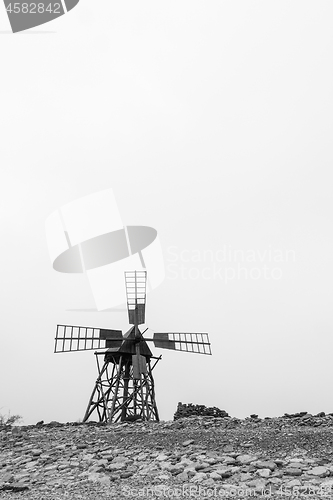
<point>194,457</point>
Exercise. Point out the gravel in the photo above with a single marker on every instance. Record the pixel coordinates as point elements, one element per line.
<point>192,457</point>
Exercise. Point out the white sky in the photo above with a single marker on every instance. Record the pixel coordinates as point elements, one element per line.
<point>212,122</point>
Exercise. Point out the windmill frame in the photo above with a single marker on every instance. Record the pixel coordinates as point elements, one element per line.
<point>125,388</point>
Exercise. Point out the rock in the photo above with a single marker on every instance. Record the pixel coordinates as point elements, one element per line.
<point>50,468</point>
<point>295,463</point>
<point>100,478</point>
<point>198,477</point>
<point>328,483</point>
<point>214,475</point>
<point>245,476</point>
<point>208,483</point>
<point>224,472</point>
<point>293,471</point>
<point>188,442</point>
<point>264,473</point>
<point>7,477</point>
<point>115,466</point>
<point>265,465</point>
<point>319,471</point>
<point>246,459</point>
<point>30,465</point>
<point>15,487</point>
<point>293,482</point>
<point>202,465</point>
<point>126,474</point>
<point>36,452</point>
<point>258,484</point>
<point>114,477</point>
<point>182,477</point>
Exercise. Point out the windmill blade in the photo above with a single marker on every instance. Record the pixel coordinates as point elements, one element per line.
<point>84,338</point>
<point>187,342</point>
<point>136,296</point>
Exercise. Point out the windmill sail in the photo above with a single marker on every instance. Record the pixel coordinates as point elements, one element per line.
<point>82,338</point>
<point>187,342</point>
<point>136,296</point>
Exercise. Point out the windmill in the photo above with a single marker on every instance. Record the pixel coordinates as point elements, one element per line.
<point>124,389</point>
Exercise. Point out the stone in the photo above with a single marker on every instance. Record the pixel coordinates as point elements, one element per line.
<point>257,484</point>
<point>182,477</point>
<point>265,465</point>
<point>114,477</point>
<point>50,467</point>
<point>36,452</point>
<point>245,476</point>
<point>246,459</point>
<point>100,478</point>
<point>208,483</point>
<point>293,483</point>
<point>328,483</point>
<point>318,471</point>
<point>214,475</point>
<point>224,472</point>
<point>297,464</point>
<point>115,467</point>
<point>202,465</point>
<point>264,473</point>
<point>126,474</point>
<point>188,442</point>
<point>30,465</point>
<point>7,477</point>
<point>15,487</point>
<point>292,471</point>
<point>198,477</point>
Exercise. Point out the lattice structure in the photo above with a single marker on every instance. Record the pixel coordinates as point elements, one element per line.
<point>118,395</point>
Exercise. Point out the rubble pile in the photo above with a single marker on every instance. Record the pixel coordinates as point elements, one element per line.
<point>305,418</point>
<point>190,410</point>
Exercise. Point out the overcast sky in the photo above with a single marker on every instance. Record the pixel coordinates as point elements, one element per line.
<point>211,122</point>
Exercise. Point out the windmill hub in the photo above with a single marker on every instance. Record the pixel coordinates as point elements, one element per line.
<point>125,388</point>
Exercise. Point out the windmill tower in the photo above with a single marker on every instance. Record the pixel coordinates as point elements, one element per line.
<point>124,389</point>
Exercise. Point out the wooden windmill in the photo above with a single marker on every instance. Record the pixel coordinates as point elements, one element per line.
<point>124,389</point>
